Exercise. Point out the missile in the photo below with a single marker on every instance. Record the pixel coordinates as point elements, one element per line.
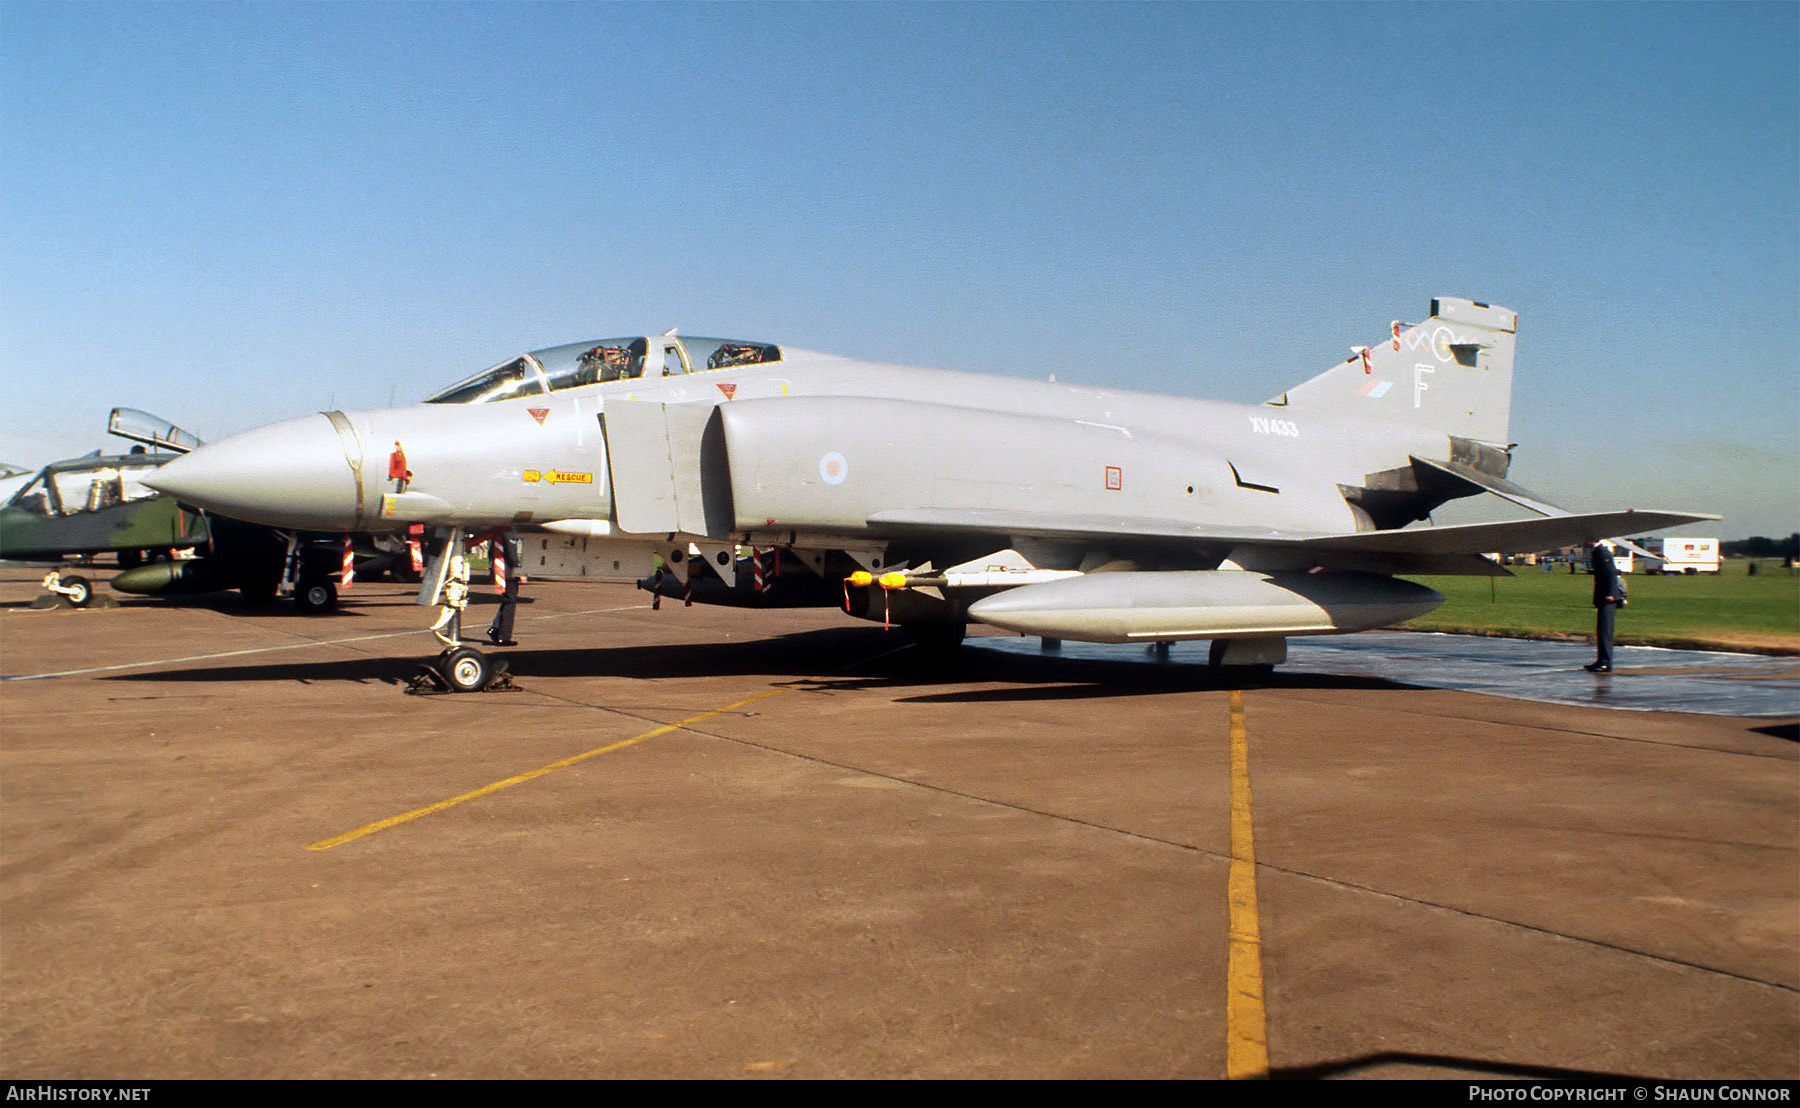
<point>1204,604</point>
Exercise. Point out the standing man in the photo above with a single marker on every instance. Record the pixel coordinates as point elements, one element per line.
<point>1609,596</point>
<point>506,582</point>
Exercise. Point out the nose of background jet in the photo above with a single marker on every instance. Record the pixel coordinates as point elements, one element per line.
<point>296,474</point>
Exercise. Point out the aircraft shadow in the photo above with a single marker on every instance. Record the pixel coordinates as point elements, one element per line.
<point>776,658</point>
<point>1028,678</point>
<point>235,604</point>
<point>377,594</point>
<point>812,659</point>
<point>1349,1067</point>
<point>1787,731</point>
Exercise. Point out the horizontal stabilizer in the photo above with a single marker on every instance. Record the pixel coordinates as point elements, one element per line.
<point>1499,486</point>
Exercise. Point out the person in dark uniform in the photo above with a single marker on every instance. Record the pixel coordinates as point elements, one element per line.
<point>506,570</point>
<point>1609,595</point>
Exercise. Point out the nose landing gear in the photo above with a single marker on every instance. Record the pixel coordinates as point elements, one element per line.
<point>461,669</point>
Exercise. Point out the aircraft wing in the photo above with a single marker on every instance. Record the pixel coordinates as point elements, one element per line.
<point>1452,548</point>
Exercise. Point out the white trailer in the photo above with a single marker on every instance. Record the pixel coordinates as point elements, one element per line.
<point>1684,555</point>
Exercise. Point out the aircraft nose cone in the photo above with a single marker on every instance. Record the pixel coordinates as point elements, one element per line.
<point>302,474</point>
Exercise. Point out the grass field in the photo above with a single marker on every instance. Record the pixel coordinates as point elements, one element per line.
<point>1732,610</point>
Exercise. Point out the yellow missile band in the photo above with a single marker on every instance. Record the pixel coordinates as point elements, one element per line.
<point>893,580</point>
<point>862,579</point>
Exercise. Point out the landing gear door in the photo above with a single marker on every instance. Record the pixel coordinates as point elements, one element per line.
<point>449,545</point>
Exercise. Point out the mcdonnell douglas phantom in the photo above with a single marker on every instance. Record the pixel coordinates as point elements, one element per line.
<point>748,473</point>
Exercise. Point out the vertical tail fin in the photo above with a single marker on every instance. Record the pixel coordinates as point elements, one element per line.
<point>1451,373</point>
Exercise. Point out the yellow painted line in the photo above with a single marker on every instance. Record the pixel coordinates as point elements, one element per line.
<point>1246,1021</point>
<point>530,775</point>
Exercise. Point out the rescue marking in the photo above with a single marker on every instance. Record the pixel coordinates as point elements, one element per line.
<point>1115,479</point>
<point>531,775</point>
<point>1246,1020</point>
<point>539,414</point>
<point>558,477</point>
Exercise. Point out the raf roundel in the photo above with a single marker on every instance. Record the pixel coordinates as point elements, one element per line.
<point>833,468</point>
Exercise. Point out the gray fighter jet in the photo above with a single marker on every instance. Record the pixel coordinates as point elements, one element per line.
<point>748,473</point>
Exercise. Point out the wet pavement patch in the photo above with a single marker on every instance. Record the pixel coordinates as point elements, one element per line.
<point>1648,679</point>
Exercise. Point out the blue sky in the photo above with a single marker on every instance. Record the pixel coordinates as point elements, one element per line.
<point>234,213</point>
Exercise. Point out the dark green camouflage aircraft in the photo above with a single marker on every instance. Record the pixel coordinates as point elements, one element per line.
<point>98,504</point>
<point>95,505</point>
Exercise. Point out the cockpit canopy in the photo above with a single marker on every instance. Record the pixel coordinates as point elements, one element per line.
<point>595,363</point>
<point>88,484</point>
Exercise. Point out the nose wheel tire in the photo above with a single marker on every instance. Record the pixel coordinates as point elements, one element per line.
<point>461,669</point>
<point>465,669</point>
<point>77,590</point>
